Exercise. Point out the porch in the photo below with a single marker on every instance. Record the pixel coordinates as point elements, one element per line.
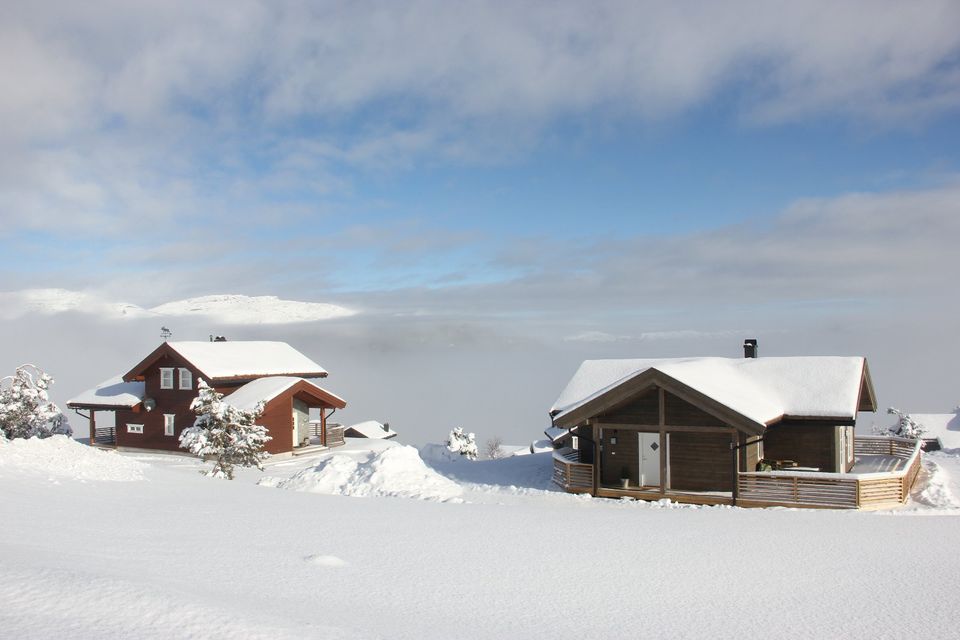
<point>885,471</point>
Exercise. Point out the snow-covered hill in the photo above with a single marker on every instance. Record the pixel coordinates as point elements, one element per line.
<point>177,554</point>
<point>226,309</point>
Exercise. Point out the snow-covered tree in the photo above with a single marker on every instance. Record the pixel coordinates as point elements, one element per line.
<point>223,431</point>
<point>463,443</point>
<point>906,427</point>
<point>25,407</point>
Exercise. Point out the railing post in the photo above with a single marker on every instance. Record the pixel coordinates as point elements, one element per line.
<point>796,490</point>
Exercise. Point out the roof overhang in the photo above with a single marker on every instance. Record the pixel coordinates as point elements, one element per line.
<point>643,381</point>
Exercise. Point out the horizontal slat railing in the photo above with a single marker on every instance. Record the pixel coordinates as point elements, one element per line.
<point>334,435</point>
<point>794,489</point>
<point>569,473</point>
<point>105,435</point>
<point>839,490</point>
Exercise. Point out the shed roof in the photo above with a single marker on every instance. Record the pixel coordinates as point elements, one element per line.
<point>763,390</point>
<point>110,394</point>
<point>237,360</point>
<point>268,388</point>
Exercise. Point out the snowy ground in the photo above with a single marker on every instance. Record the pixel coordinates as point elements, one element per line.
<point>155,550</point>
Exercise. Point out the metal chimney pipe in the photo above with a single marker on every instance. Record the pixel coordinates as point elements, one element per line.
<point>750,348</point>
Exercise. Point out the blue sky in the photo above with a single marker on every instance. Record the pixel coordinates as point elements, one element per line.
<point>659,167</point>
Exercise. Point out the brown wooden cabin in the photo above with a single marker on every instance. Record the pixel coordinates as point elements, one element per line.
<point>685,429</point>
<point>152,401</point>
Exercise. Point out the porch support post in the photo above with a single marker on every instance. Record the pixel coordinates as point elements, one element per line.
<point>93,428</point>
<point>323,426</point>
<point>735,453</point>
<point>663,441</point>
<point>595,432</point>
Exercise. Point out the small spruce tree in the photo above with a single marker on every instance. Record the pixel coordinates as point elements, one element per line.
<point>906,427</point>
<point>223,431</point>
<point>25,407</point>
<point>463,443</point>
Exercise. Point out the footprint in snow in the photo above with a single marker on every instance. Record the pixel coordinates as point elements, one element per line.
<point>325,561</point>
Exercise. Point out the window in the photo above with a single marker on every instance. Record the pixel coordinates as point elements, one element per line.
<point>134,428</point>
<point>850,437</point>
<point>168,419</point>
<point>575,442</point>
<point>186,379</point>
<point>166,378</point>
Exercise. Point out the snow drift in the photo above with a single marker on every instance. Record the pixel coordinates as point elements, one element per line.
<point>61,457</point>
<point>393,471</point>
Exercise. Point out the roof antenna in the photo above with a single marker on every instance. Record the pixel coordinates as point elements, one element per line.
<point>165,333</point>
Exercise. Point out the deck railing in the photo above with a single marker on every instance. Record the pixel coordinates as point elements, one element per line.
<point>105,435</point>
<point>838,490</point>
<point>334,432</point>
<point>569,473</point>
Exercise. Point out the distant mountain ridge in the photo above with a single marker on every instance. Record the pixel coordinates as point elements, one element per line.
<point>225,308</point>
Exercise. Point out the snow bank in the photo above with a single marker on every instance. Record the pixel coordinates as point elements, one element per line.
<point>62,457</point>
<point>937,492</point>
<point>393,471</point>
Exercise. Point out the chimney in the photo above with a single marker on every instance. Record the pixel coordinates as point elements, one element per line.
<point>750,348</point>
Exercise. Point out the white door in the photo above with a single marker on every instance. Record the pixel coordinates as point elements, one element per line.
<point>649,446</point>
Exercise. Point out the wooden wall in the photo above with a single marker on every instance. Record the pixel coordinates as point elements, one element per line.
<point>642,409</point>
<point>680,413</point>
<point>615,457</point>
<point>700,462</point>
<point>809,443</point>
<point>175,401</point>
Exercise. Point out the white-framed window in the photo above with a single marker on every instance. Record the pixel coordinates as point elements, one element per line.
<point>134,428</point>
<point>186,378</point>
<point>850,436</point>
<point>575,442</point>
<point>166,377</point>
<point>168,420</point>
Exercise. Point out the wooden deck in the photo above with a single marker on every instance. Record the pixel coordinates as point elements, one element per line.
<point>863,489</point>
<point>855,490</point>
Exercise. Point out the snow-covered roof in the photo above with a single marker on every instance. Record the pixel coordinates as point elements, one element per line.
<point>112,393</point>
<point>369,429</point>
<point>247,359</point>
<point>760,389</point>
<point>555,433</point>
<point>266,389</point>
<point>945,427</point>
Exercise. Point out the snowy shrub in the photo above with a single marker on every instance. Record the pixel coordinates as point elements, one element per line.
<point>25,407</point>
<point>225,432</point>
<point>906,427</point>
<point>494,448</point>
<point>463,443</point>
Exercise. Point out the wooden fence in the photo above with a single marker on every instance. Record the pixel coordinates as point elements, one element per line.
<point>838,490</point>
<point>571,474</point>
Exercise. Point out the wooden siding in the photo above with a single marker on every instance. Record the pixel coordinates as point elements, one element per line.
<point>642,409</point>
<point>622,455</point>
<point>806,442</point>
<point>681,413</point>
<point>175,401</point>
<point>700,461</point>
